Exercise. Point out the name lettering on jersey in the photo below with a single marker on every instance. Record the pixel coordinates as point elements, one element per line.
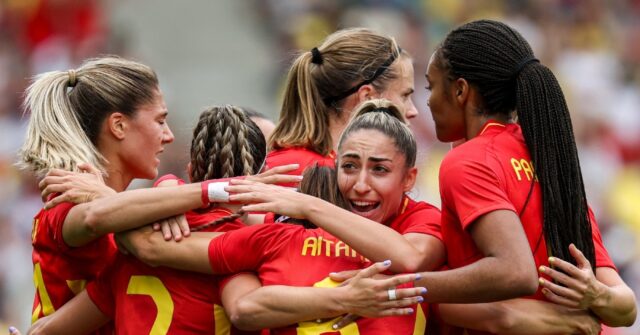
<point>318,246</point>
<point>523,167</point>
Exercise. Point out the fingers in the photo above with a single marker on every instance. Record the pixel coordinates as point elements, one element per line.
<point>558,276</point>
<point>565,267</point>
<point>343,275</point>
<point>344,321</point>
<point>155,226</point>
<point>374,269</point>
<point>184,225</point>
<point>176,229</point>
<point>401,279</point>
<point>56,201</point>
<point>555,298</point>
<point>560,290</point>
<point>88,168</point>
<point>581,261</point>
<point>13,331</point>
<point>282,169</point>
<point>166,230</point>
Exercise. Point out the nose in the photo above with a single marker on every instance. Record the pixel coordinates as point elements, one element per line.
<point>168,134</point>
<point>411,110</point>
<point>362,186</point>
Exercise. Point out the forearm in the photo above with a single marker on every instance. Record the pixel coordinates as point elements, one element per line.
<point>278,306</point>
<point>489,279</point>
<point>127,210</point>
<point>190,254</point>
<point>78,316</point>
<point>375,241</point>
<point>516,316</point>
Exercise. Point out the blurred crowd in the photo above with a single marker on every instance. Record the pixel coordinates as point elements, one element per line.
<point>593,46</point>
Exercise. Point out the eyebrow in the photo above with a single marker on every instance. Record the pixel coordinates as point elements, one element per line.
<point>379,159</point>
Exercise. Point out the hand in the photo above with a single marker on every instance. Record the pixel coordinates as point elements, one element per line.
<point>268,198</point>
<point>277,175</point>
<point>578,287</point>
<point>76,187</point>
<point>369,297</point>
<point>175,227</point>
<point>13,331</point>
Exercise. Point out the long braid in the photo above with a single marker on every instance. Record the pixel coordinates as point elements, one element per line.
<point>226,143</point>
<point>486,54</point>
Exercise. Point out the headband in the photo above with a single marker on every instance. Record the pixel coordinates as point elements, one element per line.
<point>379,71</point>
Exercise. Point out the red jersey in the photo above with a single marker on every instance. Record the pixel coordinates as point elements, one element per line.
<point>150,300</point>
<point>60,271</point>
<point>493,171</point>
<point>298,155</point>
<point>284,254</point>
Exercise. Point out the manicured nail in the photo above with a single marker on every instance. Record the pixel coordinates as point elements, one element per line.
<point>551,260</point>
<point>541,281</point>
<point>410,311</point>
<point>12,330</point>
<point>420,299</point>
<point>387,262</point>
<point>423,290</point>
<point>418,276</point>
<point>541,268</point>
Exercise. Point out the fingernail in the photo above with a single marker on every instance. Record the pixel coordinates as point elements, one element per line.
<point>541,268</point>
<point>423,290</point>
<point>420,299</point>
<point>541,281</point>
<point>12,330</point>
<point>418,276</point>
<point>551,259</point>
<point>332,273</point>
<point>545,291</point>
<point>334,327</point>
<point>410,311</point>
<point>300,178</point>
<point>387,262</point>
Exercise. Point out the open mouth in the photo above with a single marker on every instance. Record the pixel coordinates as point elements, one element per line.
<point>364,206</point>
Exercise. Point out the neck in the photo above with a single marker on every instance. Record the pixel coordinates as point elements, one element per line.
<point>337,124</point>
<point>474,125</point>
<point>117,180</point>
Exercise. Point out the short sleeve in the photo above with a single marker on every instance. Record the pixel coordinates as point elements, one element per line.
<point>247,248</point>
<point>55,218</point>
<point>421,219</point>
<point>102,293</point>
<point>602,256</point>
<point>471,189</point>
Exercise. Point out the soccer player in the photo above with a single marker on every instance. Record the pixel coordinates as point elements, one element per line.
<point>109,112</point>
<point>324,86</point>
<point>512,195</point>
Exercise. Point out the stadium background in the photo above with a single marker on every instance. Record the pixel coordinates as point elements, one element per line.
<point>215,52</point>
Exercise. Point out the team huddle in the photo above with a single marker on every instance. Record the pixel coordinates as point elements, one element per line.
<point>310,229</point>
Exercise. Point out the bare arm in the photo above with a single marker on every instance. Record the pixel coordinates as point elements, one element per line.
<point>408,253</point>
<point>190,254</point>
<point>277,306</point>
<point>604,293</point>
<point>507,270</point>
<point>78,316</point>
<point>520,316</point>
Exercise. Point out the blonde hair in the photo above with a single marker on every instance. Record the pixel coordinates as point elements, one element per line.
<point>67,110</point>
<point>346,57</point>
<point>384,116</point>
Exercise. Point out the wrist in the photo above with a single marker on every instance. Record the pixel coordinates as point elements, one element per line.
<point>213,191</point>
<point>602,296</point>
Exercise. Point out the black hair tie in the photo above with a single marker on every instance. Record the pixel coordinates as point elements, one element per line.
<point>316,56</point>
<point>521,65</point>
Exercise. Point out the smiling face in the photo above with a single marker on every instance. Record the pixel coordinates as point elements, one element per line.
<point>372,175</point>
<point>448,117</point>
<point>147,132</point>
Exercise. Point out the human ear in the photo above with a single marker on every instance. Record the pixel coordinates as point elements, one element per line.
<point>117,124</point>
<point>461,87</point>
<point>410,179</point>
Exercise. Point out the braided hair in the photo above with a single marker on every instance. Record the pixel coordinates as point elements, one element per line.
<point>499,62</point>
<point>226,143</point>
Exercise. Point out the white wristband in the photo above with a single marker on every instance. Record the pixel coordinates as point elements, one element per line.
<point>217,193</point>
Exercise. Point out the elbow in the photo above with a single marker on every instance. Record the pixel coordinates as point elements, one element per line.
<point>92,220</point>
<point>503,322</point>
<point>241,315</point>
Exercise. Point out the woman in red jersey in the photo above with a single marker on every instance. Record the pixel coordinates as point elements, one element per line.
<point>109,112</point>
<point>325,84</point>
